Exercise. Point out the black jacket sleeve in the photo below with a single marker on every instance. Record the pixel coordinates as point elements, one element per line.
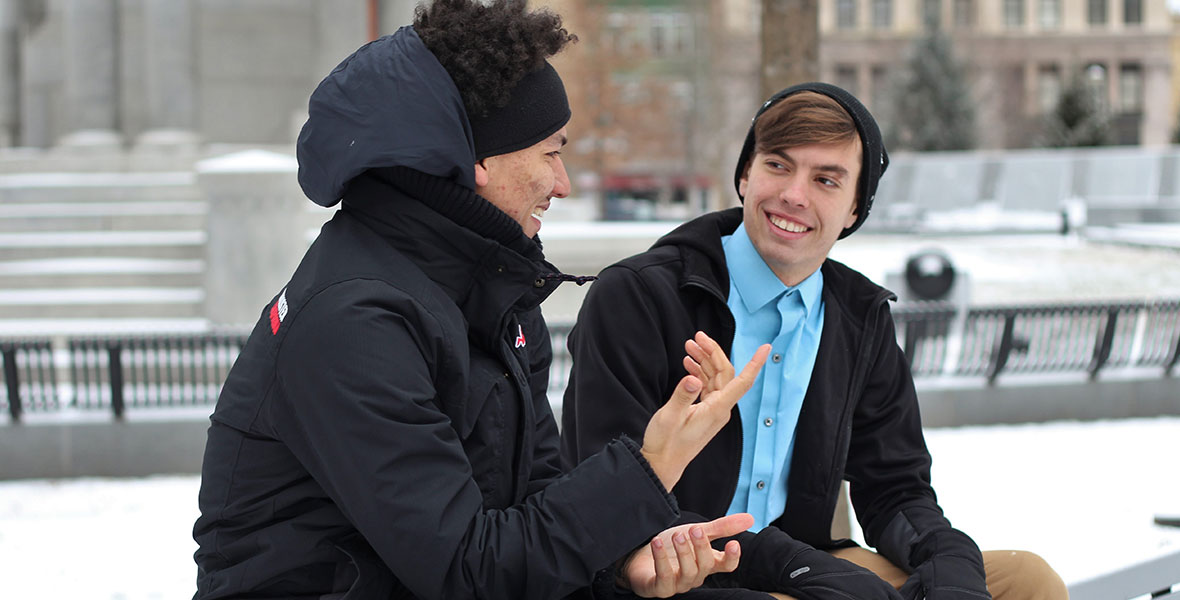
<point>358,409</point>
<point>621,365</point>
<point>889,471</point>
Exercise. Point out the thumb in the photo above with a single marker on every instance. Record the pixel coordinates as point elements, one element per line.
<point>728,525</point>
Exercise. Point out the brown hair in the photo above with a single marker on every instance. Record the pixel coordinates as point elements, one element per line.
<point>805,118</point>
<point>800,119</point>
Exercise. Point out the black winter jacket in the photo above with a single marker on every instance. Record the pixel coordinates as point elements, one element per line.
<point>385,431</point>
<point>859,419</point>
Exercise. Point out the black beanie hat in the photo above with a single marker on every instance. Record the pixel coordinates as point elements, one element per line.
<point>874,160</point>
<point>537,107</point>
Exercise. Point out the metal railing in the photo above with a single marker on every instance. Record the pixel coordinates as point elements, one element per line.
<point>115,373</point>
<point>119,373</point>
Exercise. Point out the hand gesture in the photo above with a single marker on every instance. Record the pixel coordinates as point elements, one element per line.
<point>679,558</point>
<point>707,361</point>
<point>681,428</point>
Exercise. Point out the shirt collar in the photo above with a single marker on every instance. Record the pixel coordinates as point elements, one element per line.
<point>756,283</point>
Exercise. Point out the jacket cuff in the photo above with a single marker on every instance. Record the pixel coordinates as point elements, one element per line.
<point>634,448</point>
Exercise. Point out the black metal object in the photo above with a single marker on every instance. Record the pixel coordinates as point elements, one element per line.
<point>29,379</point>
<point>12,382</point>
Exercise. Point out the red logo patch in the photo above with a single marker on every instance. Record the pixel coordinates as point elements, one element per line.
<point>519,336</point>
<point>278,312</point>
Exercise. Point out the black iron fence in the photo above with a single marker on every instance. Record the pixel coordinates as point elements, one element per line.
<point>114,374</point>
<point>989,341</point>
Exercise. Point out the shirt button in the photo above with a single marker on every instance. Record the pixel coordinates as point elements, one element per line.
<point>761,484</point>
<point>777,357</point>
<point>768,422</point>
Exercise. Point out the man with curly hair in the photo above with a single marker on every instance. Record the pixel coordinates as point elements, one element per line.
<point>385,431</point>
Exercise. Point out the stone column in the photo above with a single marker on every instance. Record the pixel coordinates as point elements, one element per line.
<point>89,53</point>
<point>9,72</point>
<point>169,74</point>
<point>256,232</point>
<point>1157,126</point>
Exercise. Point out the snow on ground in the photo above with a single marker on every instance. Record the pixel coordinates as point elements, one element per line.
<point>1081,494</point>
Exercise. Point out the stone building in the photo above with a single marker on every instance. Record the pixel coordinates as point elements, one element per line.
<point>134,73</point>
<point>1020,54</point>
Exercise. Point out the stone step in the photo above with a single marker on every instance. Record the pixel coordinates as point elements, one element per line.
<point>98,187</point>
<point>102,216</point>
<point>186,244</point>
<point>26,327</point>
<point>102,302</point>
<point>90,271</point>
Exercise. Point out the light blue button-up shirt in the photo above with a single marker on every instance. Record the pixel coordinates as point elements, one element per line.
<point>790,319</point>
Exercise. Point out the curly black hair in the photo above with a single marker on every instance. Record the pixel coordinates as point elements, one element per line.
<point>488,48</point>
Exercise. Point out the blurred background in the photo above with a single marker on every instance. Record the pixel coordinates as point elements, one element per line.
<point>1029,223</point>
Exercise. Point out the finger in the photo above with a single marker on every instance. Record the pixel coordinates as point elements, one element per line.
<point>694,368</point>
<point>706,557</point>
<point>750,371</point>
<point>728,525</point>
<point>733,555</point>
<point>685,394</point>
<point>717,357</point>
<point>686,557</point>
<point>664,583</point>
<point>702,358</point>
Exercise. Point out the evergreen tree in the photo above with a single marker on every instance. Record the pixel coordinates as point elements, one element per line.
<point>1078,119</point>
<point>932,108</point>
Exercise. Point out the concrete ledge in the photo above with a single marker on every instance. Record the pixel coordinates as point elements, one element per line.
<point>1045,398</point>
<point>102,449</point>
<point>159,441</point>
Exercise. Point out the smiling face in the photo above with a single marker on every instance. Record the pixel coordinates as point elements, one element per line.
<point>521,183</point>
<point>797,202</point>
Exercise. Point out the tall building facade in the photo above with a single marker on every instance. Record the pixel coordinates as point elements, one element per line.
<point>1020,55</point>
<point>120,74</point>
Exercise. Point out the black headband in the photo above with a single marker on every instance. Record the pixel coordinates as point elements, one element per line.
<point>538,107</point>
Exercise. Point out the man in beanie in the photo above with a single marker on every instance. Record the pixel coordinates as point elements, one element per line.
<point>835,402</point>
<point>385,431</point>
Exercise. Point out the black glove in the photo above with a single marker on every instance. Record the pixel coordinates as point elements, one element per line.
<point>951,568</point>
<point>773,561</point>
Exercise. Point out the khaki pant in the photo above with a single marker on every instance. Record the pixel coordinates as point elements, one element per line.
<point>1011,575</point>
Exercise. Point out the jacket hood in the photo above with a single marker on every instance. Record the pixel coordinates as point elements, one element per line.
<point>389,104</point>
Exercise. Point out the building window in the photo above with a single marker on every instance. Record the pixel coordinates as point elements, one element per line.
<point>879,79</point>
<point>1131,88</point>
<point>964,14</point>
<point>1048,88</point>
<point>1133,12</point>
<point>846,78</point>
<point>669,34</point>
<point>1095,78</point>
<point>1013,13</point>
<point>1096,12</point>
<point>1050,14</point>
<point>846,14</point>
<point>931,13</point>
<point>882,14</point>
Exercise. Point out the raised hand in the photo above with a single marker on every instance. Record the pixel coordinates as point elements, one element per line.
<point>707,361</point>
<point>680,558</point>
<point>680,429</point>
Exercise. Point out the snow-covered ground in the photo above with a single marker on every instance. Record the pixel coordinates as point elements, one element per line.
<point>1081,494</point>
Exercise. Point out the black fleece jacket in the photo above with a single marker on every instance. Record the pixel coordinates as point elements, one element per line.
<point>859,419</point>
